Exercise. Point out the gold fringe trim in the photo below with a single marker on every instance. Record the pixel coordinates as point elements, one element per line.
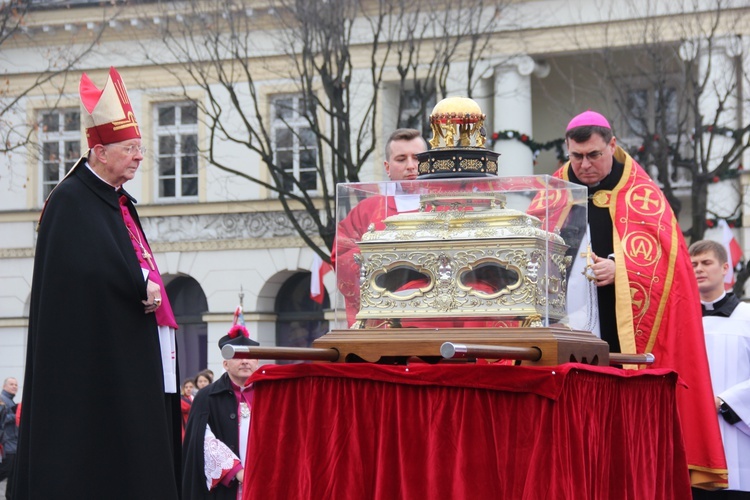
<point>709,479</point>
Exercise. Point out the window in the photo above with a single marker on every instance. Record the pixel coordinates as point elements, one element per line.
<point>650,113</point>
<point>295,144</point>
<point>646,106</point>
<point>413,114</point>
<point>177,150</point>
<point>300,320</point>
<point>60,137</point>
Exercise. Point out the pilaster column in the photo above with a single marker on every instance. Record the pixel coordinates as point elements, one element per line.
<point>512,111</point>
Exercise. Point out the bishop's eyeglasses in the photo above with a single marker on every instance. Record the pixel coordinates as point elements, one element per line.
<point>132,149</point>
<point>591,156</point>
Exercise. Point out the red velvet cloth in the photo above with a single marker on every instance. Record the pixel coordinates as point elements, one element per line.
<point>464,431</point>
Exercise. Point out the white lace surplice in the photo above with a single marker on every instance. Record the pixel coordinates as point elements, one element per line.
<point>218,459</point>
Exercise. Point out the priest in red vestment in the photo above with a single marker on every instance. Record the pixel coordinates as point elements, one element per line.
<point>647,296</point>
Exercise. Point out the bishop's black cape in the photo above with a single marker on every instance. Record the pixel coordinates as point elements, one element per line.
<point>95,419</point>
<point>216,405</point>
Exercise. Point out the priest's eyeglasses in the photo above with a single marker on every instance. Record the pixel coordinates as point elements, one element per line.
<point>132,149</point>
<point>592,156</point>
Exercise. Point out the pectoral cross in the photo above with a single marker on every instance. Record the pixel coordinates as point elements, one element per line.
<point>589,262</point>
<point>147,257</point>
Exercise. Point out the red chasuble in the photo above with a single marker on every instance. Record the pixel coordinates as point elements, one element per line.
<point>658,307</point>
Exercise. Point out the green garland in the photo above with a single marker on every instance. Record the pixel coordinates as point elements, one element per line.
<point>638,153</point>
<point>725,131</point>
<point>641,154</point>
<point>534,146</point>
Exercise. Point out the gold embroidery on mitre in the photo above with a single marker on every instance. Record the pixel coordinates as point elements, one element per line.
<point>602,198</point>
<point>128,122</point>
<point>122,92</point>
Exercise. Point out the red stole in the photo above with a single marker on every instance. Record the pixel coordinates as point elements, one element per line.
<point>164,314</point>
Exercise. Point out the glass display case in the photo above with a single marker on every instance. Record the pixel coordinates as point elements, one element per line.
<point>468,252</point>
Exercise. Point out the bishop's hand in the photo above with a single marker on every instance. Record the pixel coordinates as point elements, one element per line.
<point>603,269</point>
<point>153,300</point>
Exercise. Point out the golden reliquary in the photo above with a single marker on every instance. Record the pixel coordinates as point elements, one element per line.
<point>457,144</point>
<point>462,255</point>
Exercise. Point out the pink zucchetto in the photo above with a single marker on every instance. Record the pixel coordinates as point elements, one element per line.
<point>588,119</point>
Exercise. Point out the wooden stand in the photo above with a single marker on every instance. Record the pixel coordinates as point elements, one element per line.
<point>557,344</point>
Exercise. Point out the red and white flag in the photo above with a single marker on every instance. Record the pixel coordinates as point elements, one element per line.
<point>734,252</point>
<point>319,269</point>
<point>239,317</point>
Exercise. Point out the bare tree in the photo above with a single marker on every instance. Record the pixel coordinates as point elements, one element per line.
<point>338,55</point>
<point>688,126</point>
<point>672,78</point>
<point>425,69</point>
<point>694,134</point>
<point>17,134</point>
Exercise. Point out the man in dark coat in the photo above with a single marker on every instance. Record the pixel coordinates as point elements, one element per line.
<point>8,432</point>
<point>94,322</point>
<point>216,436</point>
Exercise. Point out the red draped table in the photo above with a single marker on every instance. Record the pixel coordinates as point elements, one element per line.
<point>361,431</point>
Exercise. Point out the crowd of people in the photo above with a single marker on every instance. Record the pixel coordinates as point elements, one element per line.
<point>188,390</point>
<point>98,296</point>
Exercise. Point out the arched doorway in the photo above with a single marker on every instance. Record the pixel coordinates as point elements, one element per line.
<point>300,319</point>
<point>189,303</point>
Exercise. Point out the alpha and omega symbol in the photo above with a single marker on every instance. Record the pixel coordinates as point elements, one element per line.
<point>642,248</point>
<point>645,199</point>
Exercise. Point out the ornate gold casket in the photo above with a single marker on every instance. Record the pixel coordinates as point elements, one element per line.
<point>463,254</point>
<point>480,252</point>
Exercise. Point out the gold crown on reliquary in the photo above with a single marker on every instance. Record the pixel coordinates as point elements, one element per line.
<point>457,143</point>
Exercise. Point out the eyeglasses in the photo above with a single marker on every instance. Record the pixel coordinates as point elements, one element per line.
<point>131,150</point>
<point>592,156</point>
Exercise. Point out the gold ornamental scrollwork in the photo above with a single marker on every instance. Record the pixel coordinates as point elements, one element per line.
<point>462,261</point>
<point>471,165</point>
<point>443,165</point>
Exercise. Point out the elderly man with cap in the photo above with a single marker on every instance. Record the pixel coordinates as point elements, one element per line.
<point>216,436</point>
<point>645,287</point>
<point>99,317</point>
